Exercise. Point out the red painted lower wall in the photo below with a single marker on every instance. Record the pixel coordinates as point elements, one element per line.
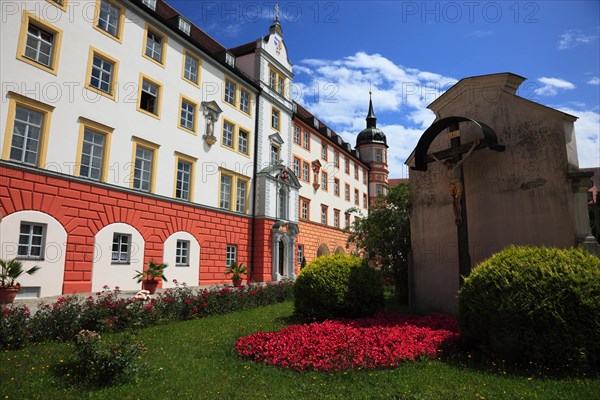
<point>83,209</point>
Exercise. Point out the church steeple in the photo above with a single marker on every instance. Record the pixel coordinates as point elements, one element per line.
<point>371,119</point>
<point>371,134</point>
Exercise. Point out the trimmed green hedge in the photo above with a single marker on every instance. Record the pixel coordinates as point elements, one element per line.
<point>338,285</point>
<point>530,304</point>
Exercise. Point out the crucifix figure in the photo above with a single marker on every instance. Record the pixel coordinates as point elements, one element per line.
<point>454,175</point>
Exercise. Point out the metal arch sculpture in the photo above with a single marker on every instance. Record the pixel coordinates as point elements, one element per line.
<point>422,158</point>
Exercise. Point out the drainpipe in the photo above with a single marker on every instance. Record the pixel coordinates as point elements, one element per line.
<point>254,174</point>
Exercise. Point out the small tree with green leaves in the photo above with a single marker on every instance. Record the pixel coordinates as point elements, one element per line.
<point>384,236</point>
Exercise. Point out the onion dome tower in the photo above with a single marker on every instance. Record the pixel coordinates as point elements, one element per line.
<point>371,145</point>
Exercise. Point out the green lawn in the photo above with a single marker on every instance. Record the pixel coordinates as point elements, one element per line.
<point>197,360</point>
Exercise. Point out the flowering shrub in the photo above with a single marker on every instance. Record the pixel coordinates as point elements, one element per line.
<point>382,341</point>
<point>13,329</point>
<point>107,312</point>
<point>100,363</point>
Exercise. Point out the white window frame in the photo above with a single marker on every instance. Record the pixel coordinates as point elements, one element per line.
<point>118,240</point>
<point>182,253</point>
<point>230,254</point>
<point>30,235</point>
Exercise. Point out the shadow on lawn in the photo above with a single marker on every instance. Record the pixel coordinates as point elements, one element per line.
<point>477,361</point>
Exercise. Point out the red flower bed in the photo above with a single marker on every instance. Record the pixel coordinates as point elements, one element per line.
<point>382,341</point>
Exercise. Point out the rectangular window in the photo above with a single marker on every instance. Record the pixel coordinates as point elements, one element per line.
<point>379,190</point>
<point>347,218</point>
<point>336,218</point>
<point>300,253</point>
<point>364,175</point>
<point>228,130</point>
<point>346,165</point>
<point>230,255</point>
<point>336,187</point>
<point>39,43</point>
<point>323,214</point>
<point>150,4</point>
<point>272,79</point>
<point>191,68</point>
<point>187,117</point>
<point>240,197</point>
<point>378,156</point>
<point>230,92</point>
<point>185,26</point>
<point>276,81</point>
<point>336,159</point>
<point>225,191</point>
<point>93,150</point>
<point>102,71</point>
<point>274,155</point>
<point>245,101</point>
<point>109,18</point>
<point>324,181</point>
<point>184,179</point>
<point>275,116</point>
<point>356,197</point>
<point>305,172</point>
<point>365,201</point>
<point>324,151</point>
<point>304,209</point>
<point>306,142</point>
<point>92,155</point>
<point>297,134</point>
<point>355,171</point>
<point>142,175</point>
<point>31,241</point>
<point>182,253</point>
<point>243,141</point>
<point>26,136</point>
<point>347,192</point>
<point>297,167</point>
<point>150,96</point>
<point>154,46</point>
<point>233,194</point>
<point>121,248</point>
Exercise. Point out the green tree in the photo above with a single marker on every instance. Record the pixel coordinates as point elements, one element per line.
<point>384,236</point>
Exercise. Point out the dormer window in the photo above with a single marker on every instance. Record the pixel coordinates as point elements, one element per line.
<point>150,4</point>
<point>316,123</point>
<point>185,26</point>
<point>230,59</point>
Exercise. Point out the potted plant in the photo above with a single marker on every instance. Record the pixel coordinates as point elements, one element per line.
<point>10,270</point>
<point>151,276</point>
<point>236,271</point>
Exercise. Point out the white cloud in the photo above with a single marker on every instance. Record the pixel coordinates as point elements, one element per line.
<point>594,81</point>
<point>337,92</point>
<point>587,131</point>
<point>551,86</point>
<point>573,38</point>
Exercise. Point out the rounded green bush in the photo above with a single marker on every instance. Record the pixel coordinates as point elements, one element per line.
<point>529,304</point>
<point>338,285</point>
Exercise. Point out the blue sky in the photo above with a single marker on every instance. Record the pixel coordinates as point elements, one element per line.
<point>412,51</point>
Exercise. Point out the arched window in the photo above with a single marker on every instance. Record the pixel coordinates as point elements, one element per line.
<point>323,250</point>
